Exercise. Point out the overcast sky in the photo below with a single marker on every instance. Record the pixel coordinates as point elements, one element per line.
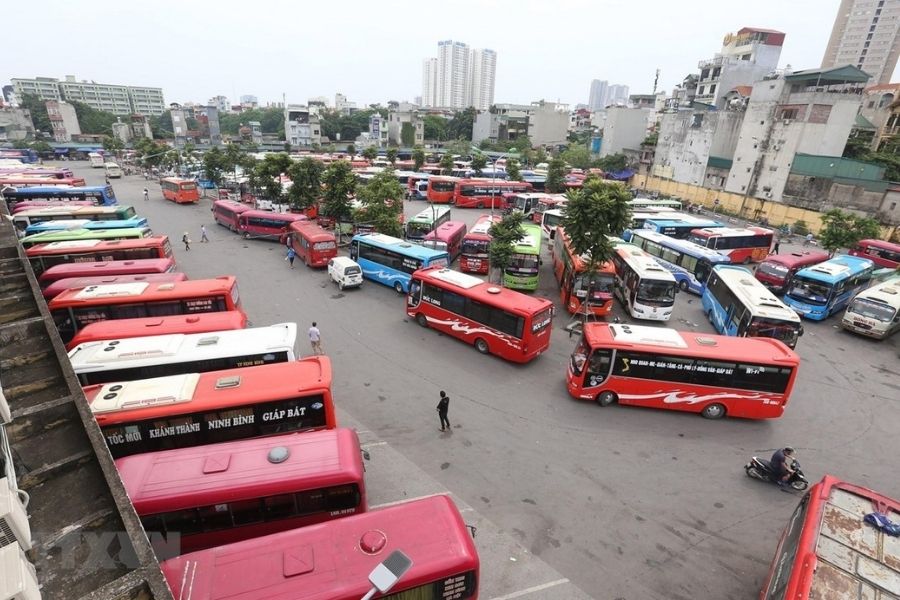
<point>372,51</point>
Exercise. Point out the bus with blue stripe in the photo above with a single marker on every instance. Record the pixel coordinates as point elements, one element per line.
<point>62,225</point>
<point>738,304</point>
<point>100,195</point>
<point>819,291</point>
<point>679,227</point>
<point>391,261</point>
<point>688,262</point>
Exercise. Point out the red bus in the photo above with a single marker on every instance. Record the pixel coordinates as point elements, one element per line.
<point>130,328</point>
<point>314,245</point>
<point>447,237</point>
<point>474,256</point>
<point>441,189</point>
<point>180,191</point>
<point>575,284</point>
<point>229,492</point>
<point>182,411</point>
<point>883,254</point>
<point>499,321</point>
<point>828,550</point>
<point>654,367</point>
<point>106,268</point>
<point>24,171</point>
<point>75,308</point>
<point>44,256</point>
<point>482,193</point>
<point>21,180</point>
<point>227,213</point>
<point>261,224</point>
<point>60,285</point>
<point>412,185</point>
<point>742,245</point>
<point>776,271</point>
<point>29,205</point>
<point>548,202</point>
<point>430,531</point>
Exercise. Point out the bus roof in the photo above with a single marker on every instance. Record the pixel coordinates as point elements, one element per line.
<point>61,285</point>
<point>685,246</point>
<point>731,231</point>
<point>795,259</point>
<point>62,190</point>
<point>756,296</point>
<point>446,230</point>
<point>643,264</point>
<point>143,399</point>
<point>136,352</point>
<point>430,214</point>
<point>310,230</point>
<point>101,294</point>
<point>177,180</point>
<point>836,269</point>
<point>690,343</point>
<point>486,292</point>
<point>286,217</point>
<point>483,225</point>
<point>107,267</point>
<point>145,326</point>
<point>171,480</point>
<point>69,235</point>
<point>886,292</point>
<point>234,205</point>
<point>67,208</point>
<point>430,531</point>
<point>76,246</point>
<point>530,242</point>
<point>880,244</point>
<point>683,221</point>
<point>385,241</point>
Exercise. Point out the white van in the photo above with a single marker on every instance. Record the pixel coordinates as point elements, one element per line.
<point>113,171</point>
<point>345,272</point>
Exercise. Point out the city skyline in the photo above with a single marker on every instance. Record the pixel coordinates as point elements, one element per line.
<point>231,59</point>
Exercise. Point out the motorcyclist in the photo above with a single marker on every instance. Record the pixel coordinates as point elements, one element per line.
<point>782,462</point>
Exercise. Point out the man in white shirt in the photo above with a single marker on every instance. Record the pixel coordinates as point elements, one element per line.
<point>315,339</point>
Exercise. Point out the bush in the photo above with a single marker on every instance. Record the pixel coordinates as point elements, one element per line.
<point>800,227</point>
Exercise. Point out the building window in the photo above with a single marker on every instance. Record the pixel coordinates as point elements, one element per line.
<point>712,89</point>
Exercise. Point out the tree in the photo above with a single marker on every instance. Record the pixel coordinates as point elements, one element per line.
<point>339,187</point>
<point>844,230</point>
<point>512,169</point>
<point>435,128</point>
<point>392,155</point>
<point>577,156</point>
<point>540,156</point>
<point>556,176</point>
<point>91,120</point>
<point>112,144</point>
<point>418,156</point>
<point>264,175</point>
<point>382,200</point>
<point>370,153</point>
<point>351,150</point>
<point>479,162</point>
<point>612,162</point>
<point>407,134</point>
<point>306,183</point>
<point>447,163</point>
<point>234,157</point>
<point>214,165</point>
<point>41,147</point>
<point>460,126</point>
<point>38,110</point>
<point>504,236</point>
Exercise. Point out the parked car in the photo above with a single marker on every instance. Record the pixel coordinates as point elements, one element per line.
<point>345,272</point>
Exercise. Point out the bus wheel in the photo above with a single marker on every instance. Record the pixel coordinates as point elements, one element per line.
<point>246,235</point>
<point>713,411</point>
<point>422,320</point>
<point>683,285</point>
<point>481,205</point>
<point>606,398</point>
<point>482,346</point>
<point>398,287</point>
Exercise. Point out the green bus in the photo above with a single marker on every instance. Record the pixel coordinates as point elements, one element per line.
<point>522,272</point>
<point>80,235</point>
<point>425,222</point>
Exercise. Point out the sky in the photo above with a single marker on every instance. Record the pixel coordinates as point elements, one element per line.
<point>373,51</point>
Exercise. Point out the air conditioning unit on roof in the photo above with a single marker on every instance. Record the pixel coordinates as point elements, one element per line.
<point>14,528</point>
<point>18,580</point>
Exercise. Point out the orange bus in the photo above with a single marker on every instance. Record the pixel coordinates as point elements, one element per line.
<point>60,285</point>
<point>75,308</point>
<point>187,324</point>
<point>314,245</point>
<point>180,191</point>
<point>441,189</point>
<point>193,409</point>
<point>474,256</point>
<point>575,285</point>
<point>20,181</point>
<point>44,256</point>
<point>227,212</point>
<point>266,225</point>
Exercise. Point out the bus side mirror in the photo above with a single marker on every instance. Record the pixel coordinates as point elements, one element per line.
<point>801,331</point>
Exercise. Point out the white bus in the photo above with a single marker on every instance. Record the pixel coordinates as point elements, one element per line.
<point>96,160</point>
<point>645,288</point>
<point>875,312</point>
<point>113,171</point>
<point>163,355</point>
<point>550,220</point>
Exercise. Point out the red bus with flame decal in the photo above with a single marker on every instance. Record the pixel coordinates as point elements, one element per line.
<point>474,256</point>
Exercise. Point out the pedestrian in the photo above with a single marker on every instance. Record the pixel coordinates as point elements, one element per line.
<point>315,339</point>
<point>203,237</point>
<point>186,240</point>
<point>776,247</point>
<point>107,180</point>
<point>146,194</point>
<point>291,255</point>
<point>443,407</point>
<point>809,239</point>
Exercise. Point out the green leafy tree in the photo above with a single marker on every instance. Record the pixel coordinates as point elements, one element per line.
<point>843,230</point>
<point>382,203</point>
<point>800,227</point>
<point>161,125</point>
<point>556,176</point>
<point>479,162</point>
<point>504,236</point>
<point>306,183</point>
<point>418,157</point>
<point>351,150</point>
<point>271,120</point>
<point>339,187</point>
<point>234,157</point>
<point>612,163</point>
<point>392,155</point>
<point>41,147</point>
<point>435,128</point>
<point>38,110</point>
<point>264,175</point>
<point>577,156</point>
<point>214,166</point>
<point>112,144</point>
<point>651,139</point>
<point>460,126</point>
<point>91,120</point>
<point>459,147</point>
<point>407,134</point>
<point>512,169</point>
<point>447,163</point>
<point>540,156</point>
<point>370,153</point>
<point>287,147</point>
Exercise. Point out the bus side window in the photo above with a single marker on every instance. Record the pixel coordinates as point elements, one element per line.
<point>598,366</point>
<point>354,250</point>
<point>415,292</point>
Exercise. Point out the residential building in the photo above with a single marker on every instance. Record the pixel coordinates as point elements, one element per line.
<point>598,95</point>
<point>45,88</point>
<point>249,101</point>
<point>301,127</point>
<point>117,99</point>
<point>378,131</point>
<point>9,96</point>
<point>405,122</point>
<point>453,74</point>
<point>459,77</point>
<point>63,120</point>
<point>146,100</point>
<point>255,132</point>
<point>140,127</point>
<point>15,124</point>
<point>483,65</point>
<point>179,125</point>
<point>745,57</point>
<point>624,128</point>
<point>220,103</point>
<point>876,108</point>
<point>209,122</point>
<point>342,105</point>
<point>545,123</point>
<point>429,82</point>
<point>866,34</point>
<point>617,95</point>
<point>890,133</point>
<point>317,104</point>
<point>121,131</point>
<point>580,120</point>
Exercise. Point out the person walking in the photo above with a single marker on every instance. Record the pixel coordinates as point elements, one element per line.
<point>443,407</point>
<point>146,194</point>
<point>776,247</point>
<point>186,240</point>
<point>203,237</point>
<point>315,339</point>
<point>291,255</point>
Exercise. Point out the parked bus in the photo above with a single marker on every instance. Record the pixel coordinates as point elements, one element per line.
<point>220,406</point>
<point>640,217</point>
<point>655,367</point>
<point>537,182</point>
<point>447,237</point>
<point>819,291</point>
<point>679,227</point>
<point>875,312</point>
<point>738,305</point>
<point>654,203</point>
<point>187,324</point>
<point>113,171</point>
<point>777,270</point>
<point>68,225</point>
<point>576,287</point>
<point>96,160</point>
<point>883,254</point>
<point>828,549</point>
<point>417,186</point>
<point>550,220</point>
<point>44,256</point>
<point>180,191</point>
<point>430,531</point>
<point>741,245</point>
<point>524,266</point>
<point>527,202</point>
<point>227,213</point>
<point>391,261</point>
<point>17,207</point>
<point>162,355</point>
<point>264,486</point>
<point>549,202</point>
<point>59,286</point>
<point>85,235</point>
<point>474,257</point>
<point>689,263</point>
<point>75,308</point>
<point>495,320</point>
<point>441,189</point>
<point>314,245</point>
<point>31,216</point>
<point>426,221</point>
<point>484,193</point>
<point>645,288</point>
<point>106,268</point>
<point>265,225</point>
<point>100,195</point>
<point>23,180</point>
<point>47,173</point>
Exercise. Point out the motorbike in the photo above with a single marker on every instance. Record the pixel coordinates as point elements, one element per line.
<point>760,468</point>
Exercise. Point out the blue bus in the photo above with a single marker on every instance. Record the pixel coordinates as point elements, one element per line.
<point>391,261</point>
<point>819,291</point>
<point>100,195</point>
<point>62,225</point>
<point>679,227</point>
<point>688,262</point>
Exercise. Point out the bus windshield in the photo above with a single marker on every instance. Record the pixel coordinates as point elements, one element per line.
<point>474,247</point>
<point>784,331</point>
<point>603,284</point>
<point>418,230</point>
<point>661,292</point>
<point>523,263</point>
<point>871,309</point>
<point>773,269</point>
<point>814,292</point>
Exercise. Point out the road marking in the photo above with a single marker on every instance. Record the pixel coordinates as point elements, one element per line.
<point>370,444</point>
<point>536,588</point>
<point>395,502</point>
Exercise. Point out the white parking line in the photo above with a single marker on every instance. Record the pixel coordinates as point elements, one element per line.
<point>535,588</point>
<point>395,502</point>
<point>370,444</point>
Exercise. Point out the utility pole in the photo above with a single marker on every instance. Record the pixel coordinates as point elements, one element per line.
<point>655,81</point>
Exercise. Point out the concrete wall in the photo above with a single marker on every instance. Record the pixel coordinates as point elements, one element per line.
<point>548,126</point>
<point>625,128</point>
<point>688,138</point>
